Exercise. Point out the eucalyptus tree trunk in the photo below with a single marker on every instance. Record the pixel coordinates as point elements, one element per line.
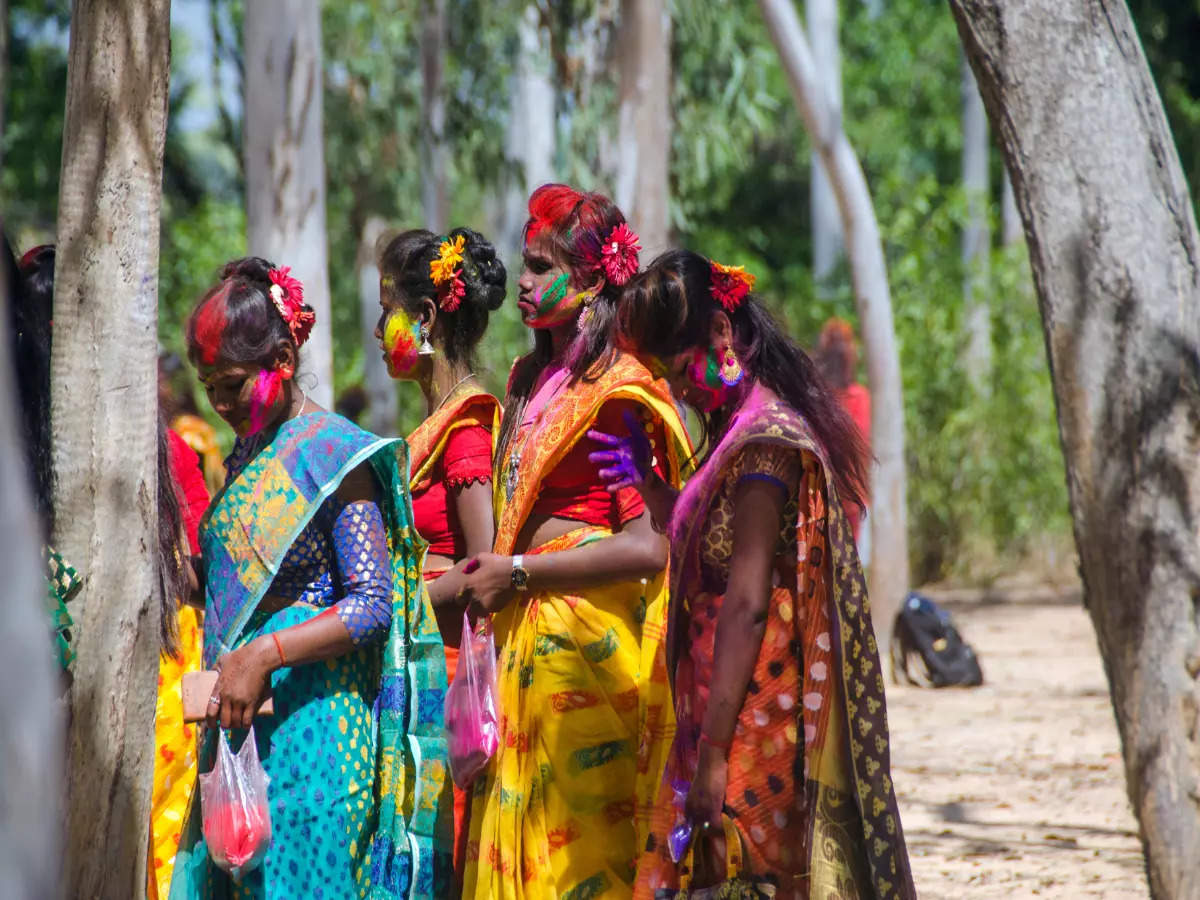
<point>643,187</point>
<point>889,574</point>
<point>1116,260</point>
<point>283,145</point>
<point>381,390</point>
<point>31,726</point>
<point>1010,216</point>
<point>821,17</point>
<point>976,236</point>
<point>105,413</point>
<point>3,70</point>
<point>434,155</point>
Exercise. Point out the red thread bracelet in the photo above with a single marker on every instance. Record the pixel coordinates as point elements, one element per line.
<point>279,647</point>
<point>723,746</point>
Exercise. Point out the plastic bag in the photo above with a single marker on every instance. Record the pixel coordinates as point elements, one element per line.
<point>472,726</point>
<point>237,817</point>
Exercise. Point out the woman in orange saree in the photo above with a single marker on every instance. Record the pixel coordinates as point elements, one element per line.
<point>436,293</point>
<point>780,764</point>
<point>576,581</point>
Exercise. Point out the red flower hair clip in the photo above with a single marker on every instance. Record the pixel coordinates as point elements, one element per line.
<point>445,271</point>
<point>287,293</point>
<point>729,285</point>
<point>619,255</point>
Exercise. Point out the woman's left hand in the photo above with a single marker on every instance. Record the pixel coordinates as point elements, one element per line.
<point>242,685</point>
<point>706,796</point>
<point>488,583</point>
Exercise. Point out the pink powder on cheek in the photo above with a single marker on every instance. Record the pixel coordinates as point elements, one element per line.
<point>262,397</point>
<point>400,342</point>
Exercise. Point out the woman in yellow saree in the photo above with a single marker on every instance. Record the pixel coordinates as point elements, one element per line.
<point>576,581</point>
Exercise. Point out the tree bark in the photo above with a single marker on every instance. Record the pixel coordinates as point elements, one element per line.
<point>1116,260</point>
<point>434,155</point>
<point>104,411</point>
<point>3,70</point>
<point>976,236</point>
<point>889,573</point>
<point>31,736</point>
<point>822,20</point>
<point>283,144</point>
<point>643,184</point>
<point>381,391</point>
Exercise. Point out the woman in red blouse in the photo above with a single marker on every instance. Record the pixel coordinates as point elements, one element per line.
<point>436,293</point>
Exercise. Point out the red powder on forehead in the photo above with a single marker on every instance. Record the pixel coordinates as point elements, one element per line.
<point>208,324</point>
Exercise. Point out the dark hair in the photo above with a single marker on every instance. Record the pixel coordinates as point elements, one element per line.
<point>236,319</point>
<point>172,575</point>
<point>31,301</point>
<point>668,309</point>
<point>575,224</point>
<point>836,355</point>
<point>352,402</point>
<point>404,272</point>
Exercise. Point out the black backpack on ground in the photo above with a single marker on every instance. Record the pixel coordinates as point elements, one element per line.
<point>927,649</point>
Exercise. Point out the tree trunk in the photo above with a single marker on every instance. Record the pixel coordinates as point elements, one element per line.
<point>3,70</point>
<point>434,194</point>
<point>1010,216</point>
<point>1116,260</point>
<point>888,578</point>
<point>643,184</point>
<point>976,236</point>
<point>105,412</point>
<point>822,21</point>
<point>381,391</point>
<point>31,739</point>
<point>283,140</point>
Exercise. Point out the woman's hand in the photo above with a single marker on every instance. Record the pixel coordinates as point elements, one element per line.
<point>629,461</point>
<point>243,682</point>
<point>705,801</point>
<point>487,586</point>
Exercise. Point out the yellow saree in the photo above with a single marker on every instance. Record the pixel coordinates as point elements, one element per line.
<point>585,708</point>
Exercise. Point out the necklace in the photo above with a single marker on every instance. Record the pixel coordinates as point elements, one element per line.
<point>553,385</point>
<point>450,392</point>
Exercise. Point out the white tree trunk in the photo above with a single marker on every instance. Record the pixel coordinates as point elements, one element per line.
<point>976,236</point>
<point>31,726</point>
<point>643,184</point>
<point>105,413</point>
<point>889,575</point>
<point>1116,260</point>
<point>1010,216</point>
<point>822,21</point>
<point>381,391</point>
<point>283,142</point>
<point>434,155</point>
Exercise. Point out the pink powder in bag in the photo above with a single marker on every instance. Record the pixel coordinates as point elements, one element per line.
<point>472,725</point>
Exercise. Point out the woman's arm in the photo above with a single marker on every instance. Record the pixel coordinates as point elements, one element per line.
<point>361,617</point>
<point>758,514</point>
<point>473,504</point>
<point>636,551</point>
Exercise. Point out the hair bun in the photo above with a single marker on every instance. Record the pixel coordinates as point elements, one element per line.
<point>488,286</point>
<point>248,268</point>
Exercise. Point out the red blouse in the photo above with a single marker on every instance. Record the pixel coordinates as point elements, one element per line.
<point>190,488</point>
<point>466,459</point>
<point>574,490</point>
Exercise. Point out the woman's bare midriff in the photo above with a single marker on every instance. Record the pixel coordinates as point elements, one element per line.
<point>435,562</point>
<point>539,530</point>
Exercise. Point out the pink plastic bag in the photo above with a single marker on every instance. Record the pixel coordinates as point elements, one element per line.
<point>472,726</point>
<point>237,817</point>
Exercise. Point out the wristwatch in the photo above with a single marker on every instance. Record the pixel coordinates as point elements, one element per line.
<point>520,575</point>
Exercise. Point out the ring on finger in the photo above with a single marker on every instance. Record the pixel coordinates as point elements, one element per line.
<point>215,699</point>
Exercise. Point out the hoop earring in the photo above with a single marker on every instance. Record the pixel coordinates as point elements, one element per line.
<point>732,372</point>
<point>426,348</point>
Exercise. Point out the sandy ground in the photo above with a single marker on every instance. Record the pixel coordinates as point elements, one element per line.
<point>1015,789</point>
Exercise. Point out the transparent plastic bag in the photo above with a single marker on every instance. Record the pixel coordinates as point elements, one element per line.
<point>237,817</point>
<point>472,726</point>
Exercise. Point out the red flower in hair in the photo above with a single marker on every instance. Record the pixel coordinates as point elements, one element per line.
<point>729,285</point>
<point>451,293</point>
<point>287,293</point>
<point>619,255</point>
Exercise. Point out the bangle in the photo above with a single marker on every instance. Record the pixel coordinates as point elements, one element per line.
<point>723,746</point>
<point>279,646</point>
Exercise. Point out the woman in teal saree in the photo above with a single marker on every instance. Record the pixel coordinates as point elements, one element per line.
<point>313,591</point>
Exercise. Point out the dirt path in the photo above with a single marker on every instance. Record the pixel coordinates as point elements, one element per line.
<point>1016,789</point>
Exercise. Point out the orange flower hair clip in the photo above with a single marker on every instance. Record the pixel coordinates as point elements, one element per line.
<point>729,285</point>
<point>445,271</point>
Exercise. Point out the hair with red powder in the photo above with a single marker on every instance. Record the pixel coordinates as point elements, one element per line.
<point>208,324</point>
<point>837,353</point>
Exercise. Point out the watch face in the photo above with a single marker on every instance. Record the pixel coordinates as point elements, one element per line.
<point>519,578</point>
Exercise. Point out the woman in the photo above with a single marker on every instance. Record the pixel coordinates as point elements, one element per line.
<point>436,294</point>
<point>575,582</point>
<point>837,359</point>
<point>777,684</point>
<point>312,592</point>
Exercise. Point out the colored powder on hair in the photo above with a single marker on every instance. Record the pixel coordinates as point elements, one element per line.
<point>209,325</point>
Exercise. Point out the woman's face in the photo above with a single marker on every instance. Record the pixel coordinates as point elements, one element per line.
<point>231,390</point>
<point>398,333</point>
<point>694,377</point>
<point>545,294</point>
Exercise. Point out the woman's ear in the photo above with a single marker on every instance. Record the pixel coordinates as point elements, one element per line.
<point>428,314</point>
<point>594,287</point>
<point>285,359</point>
<point>720,330</point>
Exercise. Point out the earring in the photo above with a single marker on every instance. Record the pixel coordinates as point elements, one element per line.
<point>731,370</point>
<point>426,348</point>
<point>285,372</point>
<point>585,315</point>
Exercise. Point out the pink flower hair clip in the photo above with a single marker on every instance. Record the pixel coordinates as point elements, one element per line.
<point>619,255</point>
<point>287,293</point>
